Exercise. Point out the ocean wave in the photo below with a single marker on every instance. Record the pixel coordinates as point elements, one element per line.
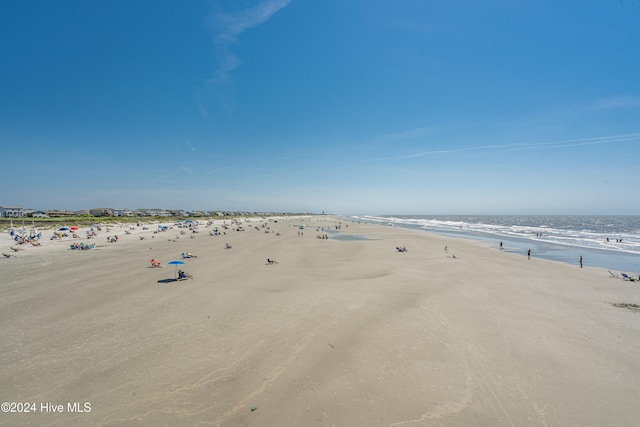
<point>608,233</point>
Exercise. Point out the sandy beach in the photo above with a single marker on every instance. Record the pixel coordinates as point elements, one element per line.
<point>344,331</point>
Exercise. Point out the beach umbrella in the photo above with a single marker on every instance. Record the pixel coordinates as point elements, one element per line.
<point>176,263</point>
<point>74,228</point>
<point>63,228</point>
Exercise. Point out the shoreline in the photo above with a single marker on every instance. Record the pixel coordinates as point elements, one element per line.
<point>611,259</point>
<point>567,254</point>
<point>339,331</point>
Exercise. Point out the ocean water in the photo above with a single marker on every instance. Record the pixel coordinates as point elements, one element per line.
<point>611,242</point>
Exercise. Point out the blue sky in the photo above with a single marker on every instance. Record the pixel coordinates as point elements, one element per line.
<point>398,107</point>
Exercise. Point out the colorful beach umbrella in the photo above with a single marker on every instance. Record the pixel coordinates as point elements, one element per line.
<point>176,263</point>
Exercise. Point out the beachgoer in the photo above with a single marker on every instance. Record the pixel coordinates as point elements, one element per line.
<point>183,275</point>
<point>580,261</point>
<point>500,245</point>
<point>529,254</point>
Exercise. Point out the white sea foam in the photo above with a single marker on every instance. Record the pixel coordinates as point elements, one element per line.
<point>609,233</point>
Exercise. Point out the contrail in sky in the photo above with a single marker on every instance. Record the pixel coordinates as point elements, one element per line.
<point>503,148</point>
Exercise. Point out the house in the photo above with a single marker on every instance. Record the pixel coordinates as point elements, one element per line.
<point>11,212</point>
<point>122,212</point>
<point>102,212</point>
<point>57,213</point>
<point>33,213</point>
<point>153,212</point>
<point>39,214</point>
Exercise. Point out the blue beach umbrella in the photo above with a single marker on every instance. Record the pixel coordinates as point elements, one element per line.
<point>176,263</point>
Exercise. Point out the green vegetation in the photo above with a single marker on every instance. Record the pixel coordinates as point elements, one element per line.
<point>80,221</point>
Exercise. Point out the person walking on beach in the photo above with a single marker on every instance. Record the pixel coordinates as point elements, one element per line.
<point>580,261</point>
<point>500,245</point>
<point>529,254</point>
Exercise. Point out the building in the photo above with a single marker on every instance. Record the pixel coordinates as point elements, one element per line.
<point>39,214</point>
<point>102,212</point>
<point>11,212</point>
<point>152,212</point>
<point>122,212</point>
<point>34,213</point>
<point>57,213</point>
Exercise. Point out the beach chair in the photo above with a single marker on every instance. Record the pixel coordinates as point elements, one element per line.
<point>614,275</point>
<point>627,278</point>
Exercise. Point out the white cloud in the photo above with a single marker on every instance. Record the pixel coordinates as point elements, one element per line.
<point>229,26</point>
<point>406,134</point>
<point>617,102</point>
<point>191,147</point>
